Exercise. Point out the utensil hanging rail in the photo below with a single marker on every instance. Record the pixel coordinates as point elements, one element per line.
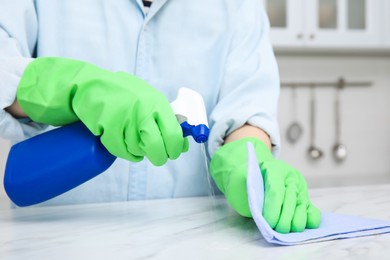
<point>340,83</point>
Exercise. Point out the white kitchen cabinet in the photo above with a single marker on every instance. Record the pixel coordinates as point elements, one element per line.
<point>287,25</point>
<point>387,23</point>
<point>327,23</point>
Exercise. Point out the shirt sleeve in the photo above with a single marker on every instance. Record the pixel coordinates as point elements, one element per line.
<point>250,87</point>
<point>18,36</point>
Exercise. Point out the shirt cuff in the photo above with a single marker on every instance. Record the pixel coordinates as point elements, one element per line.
<point>11,71</point>
<point>260,119</point>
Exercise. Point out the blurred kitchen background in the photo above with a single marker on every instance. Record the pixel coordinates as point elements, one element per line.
<point>321,41</point>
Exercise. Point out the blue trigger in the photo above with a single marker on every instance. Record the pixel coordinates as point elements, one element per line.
<point>200,133</point>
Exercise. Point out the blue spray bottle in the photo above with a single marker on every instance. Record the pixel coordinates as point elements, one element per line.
<point>52,163</point>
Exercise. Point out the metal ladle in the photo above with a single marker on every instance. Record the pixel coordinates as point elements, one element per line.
<point>339,150</point>
<point>314,152</point>
<point>294,130</point>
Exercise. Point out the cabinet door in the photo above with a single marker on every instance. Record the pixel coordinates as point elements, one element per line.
<point>344,23</point>
<point>387,22</point>
<point>286,20</point>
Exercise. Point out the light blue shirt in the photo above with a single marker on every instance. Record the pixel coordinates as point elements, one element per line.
<point>219,48</point>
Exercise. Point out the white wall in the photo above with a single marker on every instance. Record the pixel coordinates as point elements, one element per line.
<point>365,117</point>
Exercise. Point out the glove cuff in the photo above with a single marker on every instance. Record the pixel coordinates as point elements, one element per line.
<point>263,153</point>
<point>45,90</point>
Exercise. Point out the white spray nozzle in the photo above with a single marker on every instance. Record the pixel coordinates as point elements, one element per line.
<point>191,114</point>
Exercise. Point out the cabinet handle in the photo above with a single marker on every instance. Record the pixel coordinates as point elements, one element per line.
<point>312,36</point>
<point>299,36</point>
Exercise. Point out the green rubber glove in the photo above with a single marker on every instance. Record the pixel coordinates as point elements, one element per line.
<point>287,207</point>
<point>133,119</point>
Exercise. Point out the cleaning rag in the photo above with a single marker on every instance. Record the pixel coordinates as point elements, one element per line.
<point>333,226</point>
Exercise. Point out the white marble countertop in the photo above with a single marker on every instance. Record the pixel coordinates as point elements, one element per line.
<point>189,228</point>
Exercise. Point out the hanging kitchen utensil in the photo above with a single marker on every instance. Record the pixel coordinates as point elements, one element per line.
<point>339,149</point>
<point>314,152</point>
<point>294,130</point>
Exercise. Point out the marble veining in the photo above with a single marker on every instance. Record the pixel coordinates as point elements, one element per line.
<point>188,228</point>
